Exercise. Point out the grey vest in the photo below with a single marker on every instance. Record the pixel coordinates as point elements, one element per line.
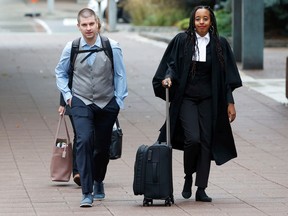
<point>93,83</point>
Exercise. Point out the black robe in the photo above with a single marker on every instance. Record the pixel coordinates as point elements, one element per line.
<point>176,63</point>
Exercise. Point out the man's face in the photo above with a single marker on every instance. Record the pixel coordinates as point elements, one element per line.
<point>88,27</point>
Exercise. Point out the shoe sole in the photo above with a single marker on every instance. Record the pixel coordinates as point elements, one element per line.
<point>98,199</point>
<point>202,200</point>
<point>198,199</point>
<point>85,205</point>
<point>186,195</point>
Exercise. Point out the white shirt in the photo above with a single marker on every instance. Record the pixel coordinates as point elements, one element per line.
<point>202,43</point>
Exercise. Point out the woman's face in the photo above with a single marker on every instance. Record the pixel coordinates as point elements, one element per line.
<point>202,21</point>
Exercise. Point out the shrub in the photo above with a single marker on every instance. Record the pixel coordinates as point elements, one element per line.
<point>183,24</point>
<point>224,21</point>
<point>155,12</point>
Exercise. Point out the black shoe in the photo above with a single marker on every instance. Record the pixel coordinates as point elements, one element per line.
<point>187,191</point>
<point>76,179</point>
<point>202,196</point>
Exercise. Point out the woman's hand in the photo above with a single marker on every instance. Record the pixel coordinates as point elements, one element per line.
<point>231,112</point>
<point>167,83</point>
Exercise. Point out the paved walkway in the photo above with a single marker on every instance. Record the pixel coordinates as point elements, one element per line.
<point>255,183</point>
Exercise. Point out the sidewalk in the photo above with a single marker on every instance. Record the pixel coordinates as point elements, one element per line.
<point>255,183</point>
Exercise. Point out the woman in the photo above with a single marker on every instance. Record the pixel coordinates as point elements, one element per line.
<point>199,68</point>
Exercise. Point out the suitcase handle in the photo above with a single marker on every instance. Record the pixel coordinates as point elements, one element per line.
<point>168,139</point>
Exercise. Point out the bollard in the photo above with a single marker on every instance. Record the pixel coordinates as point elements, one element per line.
<point>50,6</point>
<point>112,15</point>
<point>287,77</point>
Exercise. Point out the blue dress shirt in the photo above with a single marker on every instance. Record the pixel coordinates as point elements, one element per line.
<point>120,80</point>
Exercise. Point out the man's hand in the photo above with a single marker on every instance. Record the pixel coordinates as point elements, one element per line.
<point>61,110</point>
<point>69,101</point>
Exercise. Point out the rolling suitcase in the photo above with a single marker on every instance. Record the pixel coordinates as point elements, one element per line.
<point>153,169</point>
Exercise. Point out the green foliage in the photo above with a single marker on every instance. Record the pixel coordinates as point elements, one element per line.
<point>155,12</point>
<point>183,24</point>
<point>224,21</point>
<point>175,12</point>
<point>138,10</point>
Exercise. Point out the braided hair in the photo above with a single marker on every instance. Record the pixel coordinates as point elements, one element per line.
<point>213,33</point>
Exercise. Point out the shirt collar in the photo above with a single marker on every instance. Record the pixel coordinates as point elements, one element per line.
<point>95,45</point>
<point>206,37</point>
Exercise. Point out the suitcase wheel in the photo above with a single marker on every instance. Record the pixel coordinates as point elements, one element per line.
<point>147,202</point>
<point>172,199</point>
<point>168,202</point>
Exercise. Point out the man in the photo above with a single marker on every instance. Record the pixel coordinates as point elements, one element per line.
<point>95,98</point>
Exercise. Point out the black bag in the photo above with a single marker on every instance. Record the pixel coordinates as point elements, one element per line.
<point>116,141</point>
<point>153,170</point>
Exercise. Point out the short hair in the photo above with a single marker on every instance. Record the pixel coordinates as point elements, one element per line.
<point>87,12</point>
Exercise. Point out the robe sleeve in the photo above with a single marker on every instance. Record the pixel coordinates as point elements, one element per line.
<point>168,68</point>
<point>229,96</point>
<point>233,79</point>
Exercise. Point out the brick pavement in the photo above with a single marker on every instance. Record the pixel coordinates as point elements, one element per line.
<point>255,183</point>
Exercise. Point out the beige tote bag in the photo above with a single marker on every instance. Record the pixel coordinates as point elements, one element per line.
<point>61,161</point>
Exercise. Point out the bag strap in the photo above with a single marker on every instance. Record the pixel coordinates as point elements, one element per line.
<point>73,55</point>
<point>91,51</point>
<point>62,117</point>
<point>117,123</point>
<point>75,50</point>
<point>107,49</point>
<point>105,44</point>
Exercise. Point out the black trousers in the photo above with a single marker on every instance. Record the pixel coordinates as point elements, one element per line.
<point>196,120</point>
<point>93,128</point>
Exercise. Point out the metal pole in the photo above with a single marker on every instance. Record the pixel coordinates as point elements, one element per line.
<point>252,34</point>
<point>112,15</point>
<point>287,77</point>
<point>50,5</point>
<point>168,136</point>
<point>99,11</point>
<point>237,29</point>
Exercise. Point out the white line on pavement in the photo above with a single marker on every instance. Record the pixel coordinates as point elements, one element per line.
<point>44,25</point>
